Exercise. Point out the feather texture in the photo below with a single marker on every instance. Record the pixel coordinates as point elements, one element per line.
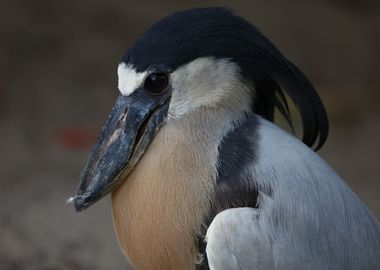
<point>187,35</point>
<point>306,217</point>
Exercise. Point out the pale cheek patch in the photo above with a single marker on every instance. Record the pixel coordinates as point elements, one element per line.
<point>129,79</point>
<point>205,81</point>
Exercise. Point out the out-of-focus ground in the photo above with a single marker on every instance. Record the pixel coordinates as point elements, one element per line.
<point>58,82</point>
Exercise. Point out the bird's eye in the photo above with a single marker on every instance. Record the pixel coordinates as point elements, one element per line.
<point>156,83</point>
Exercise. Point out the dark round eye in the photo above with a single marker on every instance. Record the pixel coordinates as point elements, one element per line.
<point>156,83</point>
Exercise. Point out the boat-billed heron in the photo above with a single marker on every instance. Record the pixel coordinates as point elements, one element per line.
<point>200,176</point>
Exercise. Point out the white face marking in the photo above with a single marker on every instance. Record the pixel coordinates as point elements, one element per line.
<point>129,79</point>
<point>206,81</point>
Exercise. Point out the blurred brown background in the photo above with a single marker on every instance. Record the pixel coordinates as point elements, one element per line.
<point>58,64</point>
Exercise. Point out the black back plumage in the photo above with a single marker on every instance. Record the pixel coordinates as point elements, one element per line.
<point>187,35</point>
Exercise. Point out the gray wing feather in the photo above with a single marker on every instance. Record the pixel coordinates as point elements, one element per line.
<point>236,240</point>
<point>307,217</point>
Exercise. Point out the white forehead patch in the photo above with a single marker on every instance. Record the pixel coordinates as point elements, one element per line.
<point>129,79</point>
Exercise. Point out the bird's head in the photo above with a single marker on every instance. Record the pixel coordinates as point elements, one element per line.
<point>199,58</point>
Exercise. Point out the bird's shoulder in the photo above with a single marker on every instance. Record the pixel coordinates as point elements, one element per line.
<point>266,177</point>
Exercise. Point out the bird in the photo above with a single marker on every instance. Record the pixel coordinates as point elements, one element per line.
<point>202,177</point>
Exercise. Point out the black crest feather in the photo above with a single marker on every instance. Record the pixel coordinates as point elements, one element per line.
<point>187,35</point>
